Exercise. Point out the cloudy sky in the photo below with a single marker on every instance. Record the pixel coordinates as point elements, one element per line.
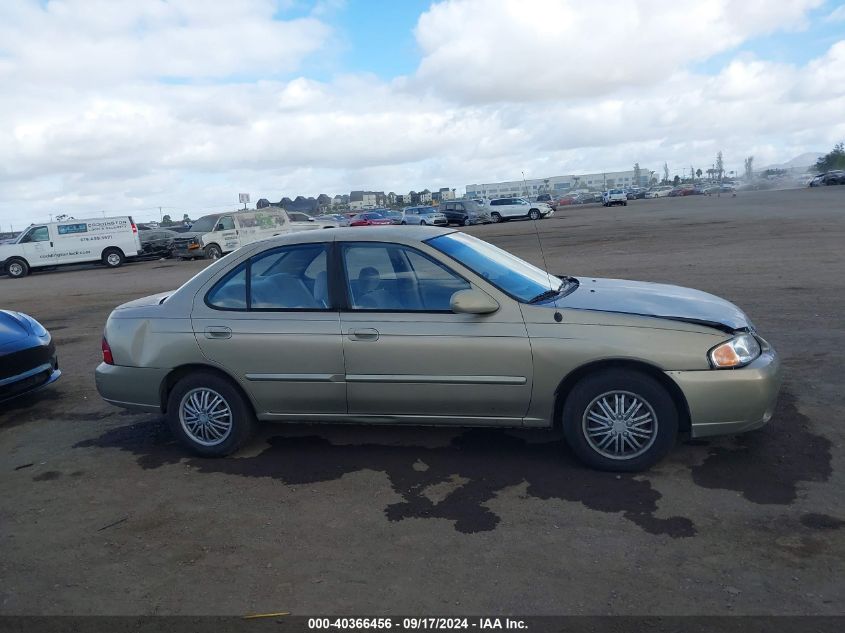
<point>128,106</point>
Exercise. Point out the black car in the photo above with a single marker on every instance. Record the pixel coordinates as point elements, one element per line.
<point>27,355</point>
<point>157,242</point>
<point>465,212</point>
<point>836,177</point>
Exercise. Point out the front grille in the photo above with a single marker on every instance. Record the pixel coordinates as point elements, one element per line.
<point>27,384</point>
<point>26,359</point>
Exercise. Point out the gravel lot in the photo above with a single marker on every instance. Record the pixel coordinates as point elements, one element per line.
<point>101,513</point>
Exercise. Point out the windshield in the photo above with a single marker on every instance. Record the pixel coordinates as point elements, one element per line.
<point>507,272</point>
<point>205,224</point>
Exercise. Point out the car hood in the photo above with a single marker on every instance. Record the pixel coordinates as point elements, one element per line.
<point>656,300</point>
<point>188,234</point>
<point>12,328</point>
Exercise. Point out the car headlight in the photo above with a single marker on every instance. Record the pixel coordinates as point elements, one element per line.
<point>737,352</point>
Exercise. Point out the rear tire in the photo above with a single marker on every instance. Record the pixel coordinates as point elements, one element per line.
<point>113,257</point>
<point>17,268</point>
<point>495,217</point>
<point>620,420</point>
<point>208,415</point>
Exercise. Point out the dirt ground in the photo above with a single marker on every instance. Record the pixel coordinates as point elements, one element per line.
<point>101,513</point>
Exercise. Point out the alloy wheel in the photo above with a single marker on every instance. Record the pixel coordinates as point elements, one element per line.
<point>205,416</point>
<point>619,425</point>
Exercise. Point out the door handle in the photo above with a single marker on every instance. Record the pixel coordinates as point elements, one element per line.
<point>218,331</point>
<point>364,334</point>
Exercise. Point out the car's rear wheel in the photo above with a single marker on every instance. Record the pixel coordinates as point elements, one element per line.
<point>113,257</point>
<point>208,415</point>
<point>17,268</point>
<point>534,214</point>
<point>495,217</point>
<point>620,420</point>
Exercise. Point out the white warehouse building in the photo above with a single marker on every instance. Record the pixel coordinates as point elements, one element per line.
<point>559,184</point>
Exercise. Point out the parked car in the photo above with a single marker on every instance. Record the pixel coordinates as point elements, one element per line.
<point>503,209</point>
<point>213,236</point>
<point>627,368</point>
<point>28,359</point>
<point>369,218</point>
<point>423,215</point>
<point>836,177</point>
<point>338,218</point>
<point>659,192</point>
<point>465,212</point>
<point>613,197</point>
<point>107,240</point>
<point>566,201</point>
<point>157,242</point>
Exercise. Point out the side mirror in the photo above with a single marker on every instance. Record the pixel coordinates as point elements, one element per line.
<point>473,302</point>
<point>311,219</point>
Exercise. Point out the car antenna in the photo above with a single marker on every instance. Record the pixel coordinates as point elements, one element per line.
<point>542,252</point>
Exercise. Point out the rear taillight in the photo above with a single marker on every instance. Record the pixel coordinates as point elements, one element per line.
<point>132,222</point>
<point>107,357</point>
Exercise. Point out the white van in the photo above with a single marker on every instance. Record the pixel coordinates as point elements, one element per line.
<point>215,235</point>
<point>106,240</point>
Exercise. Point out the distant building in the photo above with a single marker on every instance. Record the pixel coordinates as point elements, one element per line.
<point>558,184</point>
<point>363,200</point>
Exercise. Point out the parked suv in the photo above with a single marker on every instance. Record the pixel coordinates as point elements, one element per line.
<point>502,209</point>
<point>614,196</point>
<point>465,212</point>
<point>423,216</point>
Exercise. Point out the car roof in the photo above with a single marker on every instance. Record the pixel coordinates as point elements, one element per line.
<point>393,233</point>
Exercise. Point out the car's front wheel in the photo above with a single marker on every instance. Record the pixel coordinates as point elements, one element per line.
<point>212,251</point>
<point>467,221</point>
<point>534,214</point>
<point>620,420</point>
<point>209,415</point>
<point>17,268</point>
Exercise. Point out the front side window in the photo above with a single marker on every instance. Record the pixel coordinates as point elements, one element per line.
<point>37,234</point>
<point>395,278</point>
<point>226,224</point>
<point>507,272</point>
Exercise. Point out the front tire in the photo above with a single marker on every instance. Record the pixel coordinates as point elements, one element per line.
<point>212,251</point>
<point>534,215</point>
<point>467,222</point>
<point>113,257</point>
<point>208,415</point>
<point>17,268</point>
<point>620,420</point>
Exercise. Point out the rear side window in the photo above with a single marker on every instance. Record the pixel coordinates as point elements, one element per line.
<point>230,292</point>
<point>288,278</point>
<point>292,278</point>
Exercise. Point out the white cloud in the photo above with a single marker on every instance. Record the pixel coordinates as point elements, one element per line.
<point>90,127</point>
<point>513,50</point>
<point>837,15</point>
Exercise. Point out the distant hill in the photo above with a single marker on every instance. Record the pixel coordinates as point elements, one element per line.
<point>805,160</point>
